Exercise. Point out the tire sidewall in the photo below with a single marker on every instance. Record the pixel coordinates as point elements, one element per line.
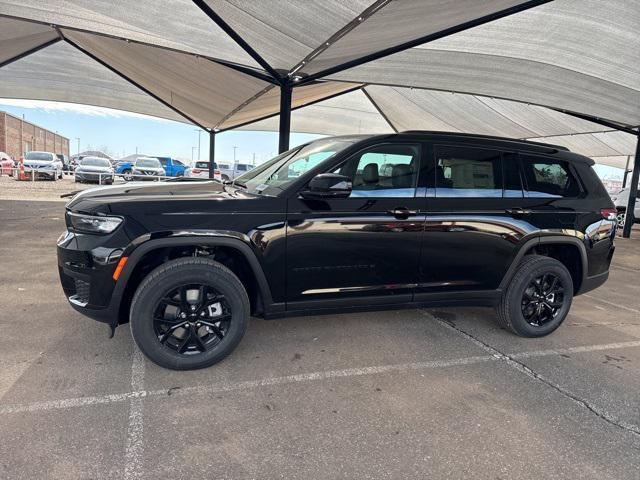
<point>520,325</point>
<point>150,292</point>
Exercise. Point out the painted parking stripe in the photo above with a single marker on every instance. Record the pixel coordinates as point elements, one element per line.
<point>303,377</point>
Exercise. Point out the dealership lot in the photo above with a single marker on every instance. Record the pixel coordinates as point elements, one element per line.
<point>396,394</point>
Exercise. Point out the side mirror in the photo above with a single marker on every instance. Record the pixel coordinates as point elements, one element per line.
<point>328,185</point>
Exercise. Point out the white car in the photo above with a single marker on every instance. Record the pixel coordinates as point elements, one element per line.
<point>621,200</point>
<point>201,170</point>
<point>230,171</point>
<point>43,165</point>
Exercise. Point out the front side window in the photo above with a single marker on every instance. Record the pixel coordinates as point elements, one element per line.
<point>548,178</point>
<point>468,172</point>
<point>389,170</point>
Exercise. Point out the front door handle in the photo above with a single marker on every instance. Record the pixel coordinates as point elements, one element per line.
<point>402,213</point>
<point>518,212</point>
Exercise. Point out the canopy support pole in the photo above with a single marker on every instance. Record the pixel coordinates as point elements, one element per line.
<point>626,172</point>
<point>212,152</point>
<point>633,193</point>
<point>285,117</point>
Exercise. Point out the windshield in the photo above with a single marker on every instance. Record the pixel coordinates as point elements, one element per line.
<point>204,165</point>
<point>39,156</point>
<point>95,162</point>
<point>148,163</point>
<point>278,173</point>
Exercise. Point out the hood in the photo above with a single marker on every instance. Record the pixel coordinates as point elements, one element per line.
<point>150,169</point>
<point>155,191</point>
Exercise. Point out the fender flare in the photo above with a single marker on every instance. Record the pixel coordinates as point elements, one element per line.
<point>550,239</point>
<point>213,239</point>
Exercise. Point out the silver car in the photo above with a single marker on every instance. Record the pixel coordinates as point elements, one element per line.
<point>94,169</point>
<point>621,200</point>
<point>42,165</point>
<point>147,168</point>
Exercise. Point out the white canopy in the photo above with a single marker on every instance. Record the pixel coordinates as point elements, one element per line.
<point>513,66</point>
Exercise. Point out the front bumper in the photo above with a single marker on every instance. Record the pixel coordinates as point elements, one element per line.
<point>94,177</point>
<point>86,265</point>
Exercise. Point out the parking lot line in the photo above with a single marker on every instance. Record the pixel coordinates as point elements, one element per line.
<point>607,302</point>
<point>512,361</point>
<point>135,430</point>
<point>140,394</point>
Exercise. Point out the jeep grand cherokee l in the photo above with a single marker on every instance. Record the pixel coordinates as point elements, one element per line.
<point>341,224</point>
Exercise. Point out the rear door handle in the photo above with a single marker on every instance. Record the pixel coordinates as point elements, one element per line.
<point>402,213</point>
<point>518,212</point>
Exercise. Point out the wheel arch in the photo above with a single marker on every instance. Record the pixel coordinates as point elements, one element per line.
<point>551,246</point>
<point>124,289</point>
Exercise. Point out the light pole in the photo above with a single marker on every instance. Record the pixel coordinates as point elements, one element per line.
<point>199,132</point>
<point>78,139</point>
<point>234,154</point>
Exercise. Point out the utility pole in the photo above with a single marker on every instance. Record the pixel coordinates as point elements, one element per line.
<point>78,139</point>
<point>234,153</point>
<point>199,132</point>
<point>253,162</point>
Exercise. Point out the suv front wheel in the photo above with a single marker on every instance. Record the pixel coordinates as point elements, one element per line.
<point>189,313</point>
<point>538,297</point>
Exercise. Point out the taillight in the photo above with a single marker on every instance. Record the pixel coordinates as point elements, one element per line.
<point>609,213</point>
<point>195,170</point>
<point>216,172</point>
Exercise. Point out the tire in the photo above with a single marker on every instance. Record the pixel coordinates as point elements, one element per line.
<point>172,276</point>
<point>621,217</point>
<point>126,174</point>
<point>516,298</point>
<point>225,178</point>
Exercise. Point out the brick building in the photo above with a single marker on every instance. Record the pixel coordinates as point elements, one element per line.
<point>18,136</point>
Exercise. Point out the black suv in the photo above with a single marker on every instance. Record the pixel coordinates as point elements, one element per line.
<point>337,225</point>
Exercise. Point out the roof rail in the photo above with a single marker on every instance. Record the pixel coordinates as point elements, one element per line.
<point>490,137</point>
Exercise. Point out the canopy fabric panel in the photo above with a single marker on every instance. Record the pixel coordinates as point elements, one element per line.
<point>62,73</point>
<point>268,103</point>
<point>202,89</point>
<point>617,162</point>
<point>17,38</point>
<point>397,22</point>
<point>576,55</point>
<point>350,113</point>
<point>598,145</point>
<point>284,32</point>
<point>176,24</point>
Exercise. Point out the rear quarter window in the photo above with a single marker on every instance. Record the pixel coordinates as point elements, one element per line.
<point>546,177</point>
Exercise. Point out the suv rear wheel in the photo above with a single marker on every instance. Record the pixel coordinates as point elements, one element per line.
<point>189,313</point>
<point>538,297</point>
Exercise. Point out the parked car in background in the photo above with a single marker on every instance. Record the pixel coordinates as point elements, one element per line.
<point>6,164</point>
<point>229,171</point>
<point>42,165</point>
<point>171,166</point>
<point>67,166</point>
<point>458,220</point>
<point>621,200</point>
<point>148,168</point>
<point>94,169</point>
<point>201,170</point>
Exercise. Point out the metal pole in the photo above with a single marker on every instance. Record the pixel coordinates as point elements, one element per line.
<point>212,153</point>
<point>626,172</point>
<point>199,132</point>
<point>285,118</point>
<point>633,193</point>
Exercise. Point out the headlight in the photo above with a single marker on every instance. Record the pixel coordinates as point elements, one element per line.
<point>93,224</point>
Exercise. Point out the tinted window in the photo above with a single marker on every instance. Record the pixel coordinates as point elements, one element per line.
<point>468,172</point>
<point>383,171</point>
<point>241,168</point>
<point>164,161</point>
<point>204,165</point>
<point>548,178</point>
<point>95,162</point>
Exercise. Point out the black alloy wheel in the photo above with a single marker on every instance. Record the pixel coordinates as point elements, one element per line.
<point>542,299</point>
<point>192,319</point>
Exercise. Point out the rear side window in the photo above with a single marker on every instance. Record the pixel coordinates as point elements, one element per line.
<point>548,178</point>
<point>468,172</point>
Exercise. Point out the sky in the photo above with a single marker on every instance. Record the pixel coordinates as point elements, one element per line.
<point>124,133</point>
<point>121,133</point>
